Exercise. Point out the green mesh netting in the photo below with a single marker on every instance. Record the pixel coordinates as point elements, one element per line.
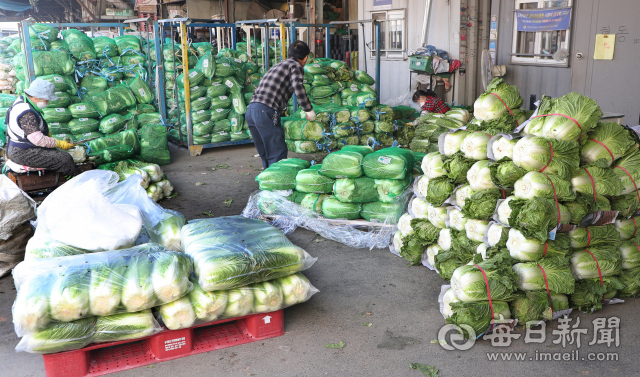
<point>382,212</point>
<point>48,63</point>
<point>128,44</point>
<point>202,47</point>
<point>153,140</point>
<point>195,78</point>
<point>219,137</point>
<point>128,137</point>
<point>60,45</point>
<point>239,105</point>
<point>332,208</point>
<point>346,163</point>
<point>80,45</point>
<point>303,130</point>
<point>105,46</point>
<point>355,190</point>
<point>84,110</point>
<point>203,128</point>
<point>237,122</point>
<point>207,65</point>
<point>281,175</point>
<point>59,114</point>
<point>147,118</point>
<point>310,180</point>
<point>198,116</point>
<point>194,92</point>
<point>220,102</point>
<point>64,100</point>
<point>58,82</point>
<point>219,114</point>
<point>112,123</point>
<point>113,100</point>
<point>141,90</point>
<point>392,163</point>
<point>6,100</point>
<point>145,108</point>
<point>80,126</point>
<point>225,70</point>
<point>81,138</point>
<point>112,154</point>
<point>302,146</point>
<point>216,90</point>
<point>239,135</point>
<point>56,128</point>
<point>43,31</point>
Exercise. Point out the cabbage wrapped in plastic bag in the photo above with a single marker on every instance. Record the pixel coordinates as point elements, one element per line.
<point>65,289</point>
<point>201,306</point>
<point>233,251</point>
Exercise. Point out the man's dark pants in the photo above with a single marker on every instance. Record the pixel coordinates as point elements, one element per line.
<point>268,134</point>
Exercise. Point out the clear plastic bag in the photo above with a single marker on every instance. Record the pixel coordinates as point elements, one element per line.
<point>68,336</point>
<point>66,289</point>
<point>287,216</point>
<point>233,251</point>
<point>16,207</point>
<point>201,306</point>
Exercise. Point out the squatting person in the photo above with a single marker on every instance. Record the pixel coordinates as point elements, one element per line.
<point>428,101</point>
<point>30,143</point>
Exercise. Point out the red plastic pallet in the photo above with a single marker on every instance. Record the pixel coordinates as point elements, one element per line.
<point>105,358</point>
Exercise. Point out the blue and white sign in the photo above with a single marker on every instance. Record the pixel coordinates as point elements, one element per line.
<point>382,4</point>
<point>543,20</point>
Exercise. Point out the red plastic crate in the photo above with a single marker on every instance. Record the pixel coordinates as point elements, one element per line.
<point>105,358</point>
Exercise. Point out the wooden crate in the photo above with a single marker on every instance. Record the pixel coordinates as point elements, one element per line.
<point>45,180</point>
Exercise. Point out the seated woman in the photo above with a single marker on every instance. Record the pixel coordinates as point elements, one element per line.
<point>28,133</point>
<point>429,102</point>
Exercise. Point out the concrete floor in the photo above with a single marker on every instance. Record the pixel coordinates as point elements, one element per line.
<point>357,287</point>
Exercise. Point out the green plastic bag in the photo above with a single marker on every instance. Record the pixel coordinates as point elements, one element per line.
<point>79,126</point>
<point>154,144</point>
<point>141,90</point>
<point>113,100</point>
<point>84,110</point>
<point>216,90</point>
<point>92,85</point>
<point>112,123</point>
<point>221,102</point>
<point>80,45</point>
<point>207,65</point>
<point>112,154</point>
<point>56,115</point>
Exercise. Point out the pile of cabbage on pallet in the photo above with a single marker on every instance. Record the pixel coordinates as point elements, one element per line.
<point>350,184</point>
<point>105,104</point>
<point>527,219</point>
<point>120,267</point>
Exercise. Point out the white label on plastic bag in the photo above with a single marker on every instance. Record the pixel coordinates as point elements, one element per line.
<point>219,110</point>
<point>58,79</point>
<point>325,76</point>
<point>354,88</point>
<point>234,122</point>
<point>224,133</point>
<point>200,112</point>
<point>142,92</point>
<point>317,65</point>
<point>229,83</point>
<point>205,63</point>
<point>54,124</point>
<point>238,133</point>
<point>238,60</point>
<point>193,74</point>
<point>81,107</point>
<point>112,120</point>
<point>226,65</point>
<point>236,102</point>
<point>215,84</point>
<point>207,135</point>
<point>205,122</point>
<point>59,110</point>
<point>87,134</point>
<point>195,88</point>
<point>223,97</point>
<point>384,160</point>
<point>83,119</point>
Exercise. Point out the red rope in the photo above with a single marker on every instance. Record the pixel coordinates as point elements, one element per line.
<point>588,235</point>
<point>605,147</point>
<point>593,185</point>
<point>631,178</point>
<point>546,246</point>
<point>486,283</point>
<point>544,275</point>
<point>550,158</point>
<point>597,264</point>
<point>508,109</point>
<point>566,116</point>
<point>555,196</point>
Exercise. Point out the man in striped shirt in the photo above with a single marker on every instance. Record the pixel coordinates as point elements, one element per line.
<point>270,100</point>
